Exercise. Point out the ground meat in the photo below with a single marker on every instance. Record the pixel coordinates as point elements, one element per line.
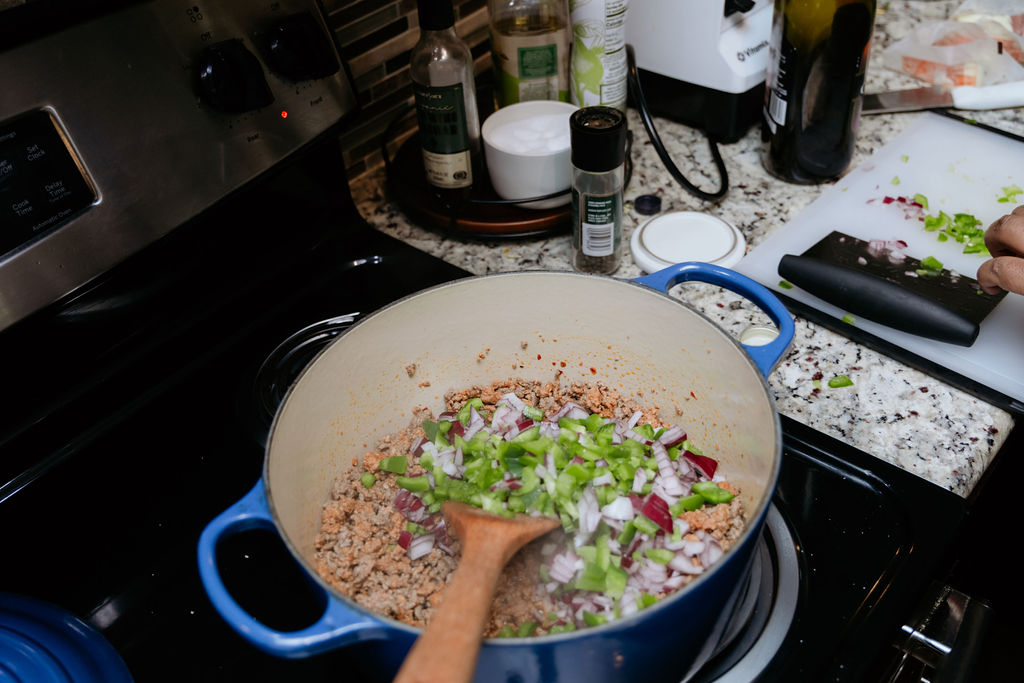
<point>358,551</point>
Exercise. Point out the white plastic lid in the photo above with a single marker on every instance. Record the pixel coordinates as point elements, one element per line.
<point>679,236</point>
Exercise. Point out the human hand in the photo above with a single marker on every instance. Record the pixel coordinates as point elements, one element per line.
<point>1005,241</point>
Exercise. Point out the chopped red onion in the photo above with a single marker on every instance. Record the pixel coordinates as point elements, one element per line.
<point>476,423</point>
<point>420,546</point>
<point>694,548</point>
<point>675,581</point>
<point>667,471</point>
<point>590,512</point>
<point>639,479</point>
<point>682,564</point>
<point>564,566</point>
<point>629,603</point>
<point>656,509</point>
<point>712,552</point>
<point>511,399</point>
<point>550,429</point>
<point>652,576</point>
<point>410,506</point>
<point>673,436</point>
<point>686,472</point>
<point>441,537</point>
<point>630,434</point>
<point>704,464</point>
<point>504,418</point>
<point>621,509</point>
<point>658,487</point>
<point>457,429</point>
<point>571,410</point>
<point>524,423</point>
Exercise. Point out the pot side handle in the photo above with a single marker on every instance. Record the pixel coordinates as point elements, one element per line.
<point>765,356</point>
<point>337,626</point>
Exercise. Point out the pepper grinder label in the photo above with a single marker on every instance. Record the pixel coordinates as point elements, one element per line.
<point>599,215</point>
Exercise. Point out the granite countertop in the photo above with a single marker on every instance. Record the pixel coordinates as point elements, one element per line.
<point>894,412</point>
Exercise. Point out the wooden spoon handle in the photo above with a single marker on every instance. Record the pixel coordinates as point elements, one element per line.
<point>447,650</point>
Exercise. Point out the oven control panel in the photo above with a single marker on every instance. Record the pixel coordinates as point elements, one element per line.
<point>148,116</point>
<point>41,183</point>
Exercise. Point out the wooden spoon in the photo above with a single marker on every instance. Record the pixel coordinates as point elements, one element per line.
<point>446,651</point>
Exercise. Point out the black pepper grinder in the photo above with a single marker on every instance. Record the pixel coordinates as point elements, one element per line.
<point>598,136</point>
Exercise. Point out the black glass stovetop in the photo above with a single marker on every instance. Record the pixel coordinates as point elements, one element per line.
<point>134,419</point>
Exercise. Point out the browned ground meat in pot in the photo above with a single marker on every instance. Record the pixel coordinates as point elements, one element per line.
<point>358,551</point>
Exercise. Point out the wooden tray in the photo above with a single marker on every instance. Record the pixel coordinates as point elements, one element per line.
<point>408,187</point>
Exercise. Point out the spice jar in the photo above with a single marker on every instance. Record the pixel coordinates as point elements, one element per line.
<point>598,136</point>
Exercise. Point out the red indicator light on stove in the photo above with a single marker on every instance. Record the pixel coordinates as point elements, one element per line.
<point>284,113</point>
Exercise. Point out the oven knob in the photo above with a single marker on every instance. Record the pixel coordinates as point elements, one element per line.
<point>298,49</point>
<point>230,78</point>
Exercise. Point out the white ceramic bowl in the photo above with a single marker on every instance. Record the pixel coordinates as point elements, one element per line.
<point>527,148</point>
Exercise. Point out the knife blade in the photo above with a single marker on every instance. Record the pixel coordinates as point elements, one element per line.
<point>938,97</point>
<point>866,280</point>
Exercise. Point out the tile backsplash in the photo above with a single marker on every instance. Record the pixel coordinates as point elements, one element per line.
<point>375,37</point>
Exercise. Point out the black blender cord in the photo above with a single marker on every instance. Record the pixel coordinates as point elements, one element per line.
<point>659,147</point>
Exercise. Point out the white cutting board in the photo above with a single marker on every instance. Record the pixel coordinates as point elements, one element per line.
<point>960,168</point>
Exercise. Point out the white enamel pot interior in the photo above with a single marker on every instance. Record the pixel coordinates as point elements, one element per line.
<point>589,328</point>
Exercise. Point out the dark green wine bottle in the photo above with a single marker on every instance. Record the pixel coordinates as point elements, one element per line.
<point>815,78</point>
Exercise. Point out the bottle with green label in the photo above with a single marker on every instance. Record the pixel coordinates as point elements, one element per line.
<point>598,137</point>
<point>530,49</point>
<point>441,68</point>
<point>598,67</point>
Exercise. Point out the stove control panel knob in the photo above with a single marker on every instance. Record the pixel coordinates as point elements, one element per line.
<point>298,49</point>
<point>230,78</point>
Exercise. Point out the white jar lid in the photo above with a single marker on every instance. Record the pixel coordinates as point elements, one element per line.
<point>680,236</point>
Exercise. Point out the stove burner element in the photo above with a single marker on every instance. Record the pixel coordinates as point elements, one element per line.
<point>286,362</point>
<point>775,585</point>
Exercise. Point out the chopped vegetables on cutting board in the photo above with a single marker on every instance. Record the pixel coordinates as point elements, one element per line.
<point>947,195</point>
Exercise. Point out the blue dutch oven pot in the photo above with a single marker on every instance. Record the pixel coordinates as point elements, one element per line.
<point>627,334</point>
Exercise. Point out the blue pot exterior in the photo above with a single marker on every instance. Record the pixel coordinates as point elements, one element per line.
<point>662,643</point>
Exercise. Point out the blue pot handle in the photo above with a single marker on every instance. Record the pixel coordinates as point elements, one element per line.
<point>765,356</point>
<point>338,625</point>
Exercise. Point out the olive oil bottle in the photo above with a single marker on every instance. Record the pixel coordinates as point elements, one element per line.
<point>530,48</point>
<point>819,54</point>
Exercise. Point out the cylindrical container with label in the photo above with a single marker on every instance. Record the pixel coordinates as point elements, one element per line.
<point>819,53</point>
<point>598,67</point>
<point>441,68</point>
<point>598,166</point>
<point>530,49</point>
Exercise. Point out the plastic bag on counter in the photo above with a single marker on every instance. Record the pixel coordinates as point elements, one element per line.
<point>953,53</point>
<point>1002,20</point>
